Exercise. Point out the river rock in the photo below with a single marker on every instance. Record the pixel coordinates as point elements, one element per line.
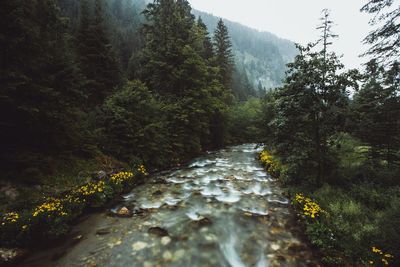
<point>139,245</point>
<point>165,240</point>
<point>167,255</point>
<point>275,247</point>
<point>103,231</point>
<point>158,231</point>
<point>124,212</point>
<point>179,254</point>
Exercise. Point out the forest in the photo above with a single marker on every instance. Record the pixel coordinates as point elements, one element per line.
<point>126,88</point>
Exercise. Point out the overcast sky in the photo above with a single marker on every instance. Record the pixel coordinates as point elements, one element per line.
<point>296,20</point>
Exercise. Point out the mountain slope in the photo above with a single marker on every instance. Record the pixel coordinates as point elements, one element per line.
<point>261,54</point>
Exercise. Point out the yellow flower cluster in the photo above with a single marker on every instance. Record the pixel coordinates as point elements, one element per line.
<point>310,208</point>
<point>54,206</point>
<point>142,170</point>
<point>121,177</point>
<point>383,256</point>
<point>91,188</point>
<point>10,217</point>
<point>270,163</point>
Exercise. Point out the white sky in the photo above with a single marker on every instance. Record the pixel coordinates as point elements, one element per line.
<point>296,20</point>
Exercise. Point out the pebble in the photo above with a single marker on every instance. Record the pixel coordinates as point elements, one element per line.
<point>275,246</point>
<point>211,238</point>
<point>165,240</point>
<point>179,254</point>
<point>167,255</point>
<point>139,245</point>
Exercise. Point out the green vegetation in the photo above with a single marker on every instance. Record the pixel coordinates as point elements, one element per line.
<point>51,217</point>
<point>341,151</point>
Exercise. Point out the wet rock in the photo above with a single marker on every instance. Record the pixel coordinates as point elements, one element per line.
<point>158,231</point>
<point>11,256</point>
<point>179,254</point>
<point>275,247</point>
<point>167,255</point>
<point>103,231</point>
<point>76,239</point>
<point>160,180</point>
<point>123,212</point>
<point>211,238</point>
<point>276,230</point>
<point>139,246</point>
<point>165,240</point>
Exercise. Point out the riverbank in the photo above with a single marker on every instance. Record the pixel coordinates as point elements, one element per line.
<point>54,214</point>
<point>342,223</point>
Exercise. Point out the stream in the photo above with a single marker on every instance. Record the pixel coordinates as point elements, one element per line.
<point>221,209</point>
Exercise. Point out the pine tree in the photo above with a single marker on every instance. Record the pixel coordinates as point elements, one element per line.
<point>376,112</point>
<point>385,38</point>
<point>97,60</point>
<point>40,92</point>
<point>208,52</point>
<point>310,109</point>
<point>223,52</point>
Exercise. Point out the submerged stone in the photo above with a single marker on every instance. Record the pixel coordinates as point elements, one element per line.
<point>139,245</point>
<point>165,240</point>
<point>158,231</point>
<point>103,231</point>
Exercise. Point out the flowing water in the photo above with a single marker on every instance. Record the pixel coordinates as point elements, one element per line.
<point>220,210</point>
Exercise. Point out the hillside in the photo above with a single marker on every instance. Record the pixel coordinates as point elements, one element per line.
<point>263,55</point>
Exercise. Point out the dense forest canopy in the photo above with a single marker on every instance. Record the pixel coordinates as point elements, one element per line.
<point>73,70</point>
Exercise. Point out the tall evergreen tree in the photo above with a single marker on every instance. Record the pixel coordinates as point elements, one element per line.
<point>39,96</point>
<point>96,57</point>
<point>208,52</point>
<point>376,111</point>
<point>223,52</point>
<point>310,110</point>
<point>384,39</point>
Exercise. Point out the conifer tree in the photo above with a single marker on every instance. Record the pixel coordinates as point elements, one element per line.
<point>40,93</point>
<point>310,109</point>
<point>97,60</point>
<point>384,39</point>
<point>376,112</point>
<point>208,52</point>
<point>223,52</point>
